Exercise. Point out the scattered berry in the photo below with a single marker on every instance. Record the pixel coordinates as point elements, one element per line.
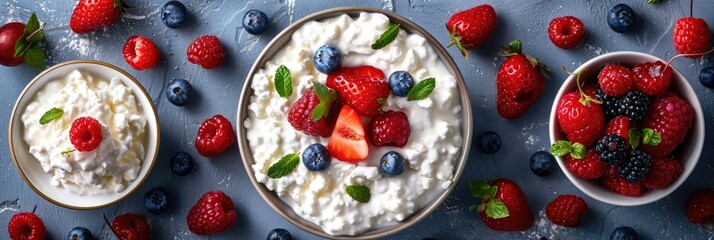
<point>215,136</point>
<point>590,167</point>
<point>316,158</point>
<point>86,134</point>
<point>182,164</point>
<point>390,128</point>
<point>400,82</point>
<point>91,15</point>
<point>519,217</point>
<point>581,122</point>
<point>213,213</point>
<point>671,117</point>
<point>489,142</point>
<point>131,227</point>
<point>519,82</point>
<point>612,149</point>
<point>566,210</point>
<point>637,167</point>
<point>279,234</point>
<point>621,18</point>
<point>615,80</point>
<point>624,233</point>
<point>470,28</point>
<point>619,126</point>
<point>9,34</point>
<point>651,78</point>
<point>255,22</point>
<point>178,92</point>
<point>566,32</point>
<point>26,226</point>
<point>206,51</point>
<point>363,88</point>
<point>392,164</point>
<point>634,105</point>
<point>691,35</point>
<point>662,174</point>
<point>300,116</point>
<point>80,233</point>
<point>706,77</point>
<point>612,180</point>
<point>327,59</point>
<point>348,141</point>
<point>156,200</point>
<point>699,207</point>
<point>140,53</point>
<point>542,163</point>
<point>174,14</point>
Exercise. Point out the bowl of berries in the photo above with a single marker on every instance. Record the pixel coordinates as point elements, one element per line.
<point>627,128</point>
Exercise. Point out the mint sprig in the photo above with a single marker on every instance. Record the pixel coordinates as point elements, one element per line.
<point>562,147</point>
<point>326,97</point>
<point>28,45</point>
<point>387,37</point>
<point>422,89</point>
<point>651,137</point>
<point>283,81</point>
<point>284,166</point>
<point>358,192</point>
<point>51,115</point>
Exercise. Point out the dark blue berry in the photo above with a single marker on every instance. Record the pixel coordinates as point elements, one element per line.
<point>542,163</point>
<point>178,92</point>
<point>279,234</point>
<point>392,164</point>
<point>174,13</point>
<point>79,233</point>
<point>489,142</point>
<point>156,200</point>
<point>621,18</point>
<point>327,59</point>
<point>612,149</point>
<point>624,233</point>
<point>706,77</point>
<point>400,82</point>
<point>316,158</point>
<point>637,167</point>
<point>182,164</point>
<point>255,22</point>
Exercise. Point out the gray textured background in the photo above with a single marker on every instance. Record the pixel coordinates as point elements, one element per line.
<point>218,92</point>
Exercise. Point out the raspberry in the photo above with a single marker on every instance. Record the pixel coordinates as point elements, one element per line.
<point>566,32</point>
<point>615,80</point>
<point>566,210</point>
<point>619,126</point>
<point>86,134</point>
<point>215,136</point>
<point>699,207</point>
<point>26,226</point>
<point>634,105</point>
<point>610,105</point>
<point>300,116</point>
<point>612,180</point>
<point>213,213</point>
<point>131,226</point>
<point>637,167</point>
<point>652,78</point>
<point>691,35</point>
<point>662,174</point>
<point>612,149</point>
<point>589,167</point>
<point>671,117</point>
<point>390,128</point>
<point>140,52</point>
<point>206,51</point>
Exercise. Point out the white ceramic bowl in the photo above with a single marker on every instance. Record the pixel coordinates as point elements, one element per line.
<point>29,167</point>
<point>688,153</point>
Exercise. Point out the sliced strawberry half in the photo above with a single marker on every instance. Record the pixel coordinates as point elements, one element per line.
<point>363,88</point>
<point>348,142</point>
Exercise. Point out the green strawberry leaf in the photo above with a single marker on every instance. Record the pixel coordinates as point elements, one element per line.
<point>422,89</point>
<point>634,136</point>
<point>651,137</point>
<point>67,152</point>
<point>358,192</point>
<point>32,25</point>
<point>387,37</point>
<point>283,81</point>
<point>481,189</point>
<point>653,1</point>
<point>285,166</point>
<point>560,148</point>
<point>51,115</point>
<point>496,209</point>
<point>579,151</point>
<point>515,47</point>
<point>20,46</point>
<point>35,57</point>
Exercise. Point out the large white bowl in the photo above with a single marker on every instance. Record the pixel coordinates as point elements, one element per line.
<point>688,153</point>
<point>29,167</point>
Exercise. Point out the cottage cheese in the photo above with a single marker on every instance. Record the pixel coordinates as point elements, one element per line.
<point>320,197</point>
<point>117,160</point>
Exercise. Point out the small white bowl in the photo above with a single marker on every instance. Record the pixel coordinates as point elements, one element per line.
<point>29,167</point>
<point>688,154</point>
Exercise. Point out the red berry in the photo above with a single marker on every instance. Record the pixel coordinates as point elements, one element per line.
<point>671,117</point>
<point>612,180</point>
<point>206,51</point>
<point>9,33</point>
<point>582,123</point>
<point>520,217</point>
<point>651,78</point>
<point>662,174</point>
<point>390,128</point>
<point>615,80</point>
<point>363,88</point>
<point>131,226</point>
<point>213,213</point>
<point>699,207</point>
<point>300,116</point>
<point>620,125</point>
<point>215,136</point>
<point>566,210</point>
<point>519,83</point>
<point>566,32</point>
<point>86,134</point>
<point>470,28</point>
<point>26,226</point>
<point>590,167</point>
<point>348,141</point>
<point>92,15</point>
<point>691,35</point>
<point>140,52</point>
<point>591,91</point>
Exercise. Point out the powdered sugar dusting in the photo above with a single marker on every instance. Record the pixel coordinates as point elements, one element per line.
<point>544,228</point>
<point>10,205</point>
<point>532,137</point>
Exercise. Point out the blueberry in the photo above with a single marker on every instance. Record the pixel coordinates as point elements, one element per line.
<point>621,18</point>
<point>255,22</point>
<point>178,92</point>
<point>316,158</point>
<point>706,77</point>
<point>392,164</point>
<point>327,59</point>
<point>279,234</point>
<point>400,82</point>
<point>156,200</point>
<point>624,233</point>
<point>182,164</point>
<point>79,233</point>
<point>489,142</point>
<point>174,14</point>
<point>542,163</point>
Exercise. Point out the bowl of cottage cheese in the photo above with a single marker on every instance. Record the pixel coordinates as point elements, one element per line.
<point>318,201</point>
<point>84,134</point>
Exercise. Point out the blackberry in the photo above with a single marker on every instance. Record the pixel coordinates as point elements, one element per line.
<point>634,105</point>
<point>637,167</point>
<point>612,149</point>
<point>610,105</point>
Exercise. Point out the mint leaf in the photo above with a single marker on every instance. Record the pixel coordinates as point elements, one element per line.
<point>387,37</point>
<point>326,98</point>
<point>283,81</point>
<point>32,25</point>
<point>422,89</point>
<point>651,137</point>
<point>496,209</point>
<point>285,166</point>
<point>51,115</point>
<point>321,110</point>
<point>20,46</point>
<point>35,57</point>
<point>358,192</point>
<point>579,151</point>
<point>481,189</point>
<point>560,148</point>
<point>634,136</point>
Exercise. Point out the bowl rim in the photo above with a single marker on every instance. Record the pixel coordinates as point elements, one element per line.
<point>143,94</point>
<point>699,141</point>
<point>274,201</point>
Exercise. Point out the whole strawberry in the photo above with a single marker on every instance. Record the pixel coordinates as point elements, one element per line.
<point>652,78</point>
<point>566,210</point>
<point>615,80</point>
<point>300,115</point>
<point>580,116</point>
<point>364,88</point>
<point>662,174</point>
<point>206,51</point>
<point>699,207</point>
<point>671,117</point>
<point>691,35</point>
<point>519,81</point>
<point>212,214</point>
<point>589,167</point>
<point>566,32</point>
<point>131,227</point>
<point>612,180</point>
<point>91,15</point>
<point>26,226</point>
<point>215,136</point>
<point>470,28</point>
<point>503,206</point>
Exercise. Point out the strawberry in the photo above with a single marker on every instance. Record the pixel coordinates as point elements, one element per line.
<point>662,174</point>
<point>300,115</point>
<point>470,28</point>
<point>590,167</point>
<point>620,126</point>
<point>26,226</point>
<point>699,207</point>
<point>652,78</point>
<point>566,210</point>
<point>140,53</point>
<point>131,227</point>
<point>206,51</point>
<point>213,213</point>
<point>91,15</point>
<point>566,32</point>
<point>363,88</point>
<point>615,80</point>
<point>612,180</point>
<point>580,116</point>
<point>348,141</point>
<point>390,128</point>
<point>519,82</point>
<point>503,206</point>
<point>691,36</point>
<point>671,117</point>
